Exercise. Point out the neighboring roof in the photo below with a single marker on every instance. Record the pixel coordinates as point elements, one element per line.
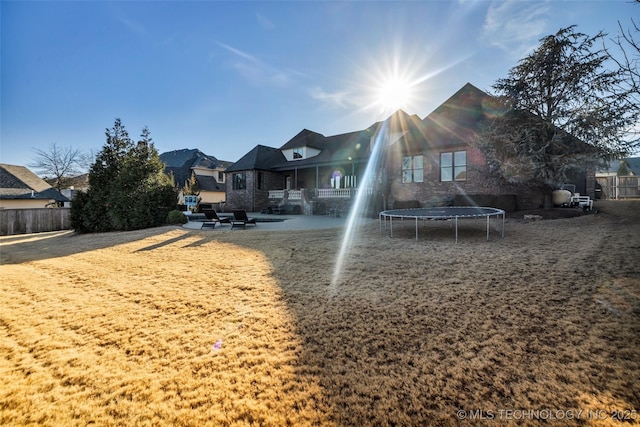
<point>260,157</point>
<point>181,162</point>
<point>633,165</point>
<point>209,183</point>
<point>187,157</point>
<point>18,182</point>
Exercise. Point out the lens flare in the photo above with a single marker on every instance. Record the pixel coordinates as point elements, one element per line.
<point>359,205</point>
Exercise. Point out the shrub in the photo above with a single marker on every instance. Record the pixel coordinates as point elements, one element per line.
<point>176,217</point>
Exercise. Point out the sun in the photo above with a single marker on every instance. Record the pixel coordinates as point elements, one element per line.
<point>393,94</point>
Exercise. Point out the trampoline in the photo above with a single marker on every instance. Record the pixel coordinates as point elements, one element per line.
<point>452,213</point>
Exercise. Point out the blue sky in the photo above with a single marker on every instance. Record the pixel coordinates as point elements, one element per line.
<point>226,76</point>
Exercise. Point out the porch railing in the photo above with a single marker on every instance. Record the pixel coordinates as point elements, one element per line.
<point>295,194</point>
<point>334,193</point>
<point>321,193</point>
<point>279,194</point>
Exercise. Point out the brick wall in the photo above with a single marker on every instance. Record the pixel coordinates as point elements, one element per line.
<point>433,192</point>
<point>251,198</point>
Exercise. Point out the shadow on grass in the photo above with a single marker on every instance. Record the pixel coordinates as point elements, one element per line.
<point>417,331</point>
<point>56,244</point>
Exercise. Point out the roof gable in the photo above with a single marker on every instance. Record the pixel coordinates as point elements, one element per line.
<point>260,157</point>
<point>456,121</point>
<point>305,138</point>
<point>18,182</point>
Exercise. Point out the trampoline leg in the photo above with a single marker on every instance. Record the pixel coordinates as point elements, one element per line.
<point>488,217</point>
<point>456,229</point>
<point>416,229</point>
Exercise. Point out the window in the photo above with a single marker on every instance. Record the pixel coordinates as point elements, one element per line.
<point>412,169</point>
<point>453,166</point>
<point>260,180</point>
<point>239,181</point>
<point>220,176</point>
<point>297,153</point>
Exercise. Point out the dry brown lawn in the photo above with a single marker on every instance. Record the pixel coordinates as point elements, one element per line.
<point>170,326</point>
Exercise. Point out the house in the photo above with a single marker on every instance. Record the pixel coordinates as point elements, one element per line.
<point>22,189</point>
<point>433,161</point>
<point>73,186</point>
<point>207,170</point>
<point>441,162</point>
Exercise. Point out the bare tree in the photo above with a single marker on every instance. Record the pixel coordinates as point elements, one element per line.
<point>57,163</point>
<point>626,55</point>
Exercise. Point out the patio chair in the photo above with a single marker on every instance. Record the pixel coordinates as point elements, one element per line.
<point>212,217</point>
<point>240,218</point>
<point>584,202</point>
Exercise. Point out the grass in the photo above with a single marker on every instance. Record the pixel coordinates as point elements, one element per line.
<point>176,327</point>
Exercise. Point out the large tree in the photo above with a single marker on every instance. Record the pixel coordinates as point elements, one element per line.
<point>626,55</point>
<point>57,164</point>
<point>128,188</point>
<point>563,109</point>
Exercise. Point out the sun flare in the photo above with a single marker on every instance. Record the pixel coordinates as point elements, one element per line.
<point>394,94</point>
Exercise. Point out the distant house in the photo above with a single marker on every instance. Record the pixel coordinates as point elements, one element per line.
<point>208,171</point>
<point>620,179</point>
<point>629,167</point>
<point>73,186</point>
<point>22,189</point>
<point>431,162</point>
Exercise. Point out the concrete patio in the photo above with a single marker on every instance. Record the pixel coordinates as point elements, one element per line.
<point>280,222</point>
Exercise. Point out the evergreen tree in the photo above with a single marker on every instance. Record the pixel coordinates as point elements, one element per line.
<point>623,169</point>
<point>127,186</point>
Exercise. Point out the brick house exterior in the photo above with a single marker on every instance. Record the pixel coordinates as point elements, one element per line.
<point>250,179</point>
<point>433,161</point>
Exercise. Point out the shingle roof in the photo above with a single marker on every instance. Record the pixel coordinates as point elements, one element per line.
<point>304,138</point>
<point>454,121</point>
<point>209,183</point>
<point>633,164</point>
<point>260,157</point>
<point>186,157</point>
<point>18,182</point>
<point>352,146</point>
<point>181,162</point>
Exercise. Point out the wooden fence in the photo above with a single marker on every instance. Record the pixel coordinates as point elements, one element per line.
<point>620,187</point>
<point>24,221</point>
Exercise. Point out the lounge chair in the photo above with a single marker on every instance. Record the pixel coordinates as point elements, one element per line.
<point>240,218</point>
<point>212,217</point>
